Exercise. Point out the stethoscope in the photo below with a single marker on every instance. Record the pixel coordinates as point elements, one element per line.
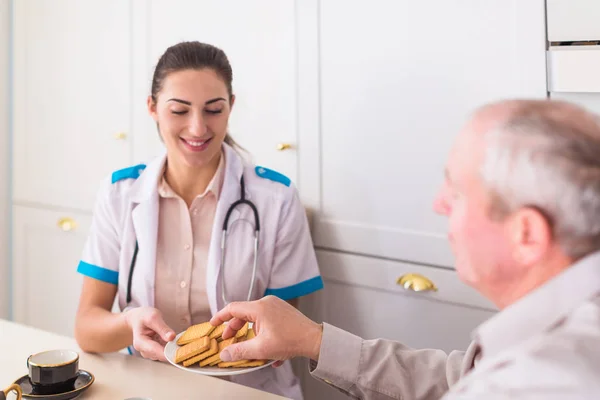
<point>224,235</point>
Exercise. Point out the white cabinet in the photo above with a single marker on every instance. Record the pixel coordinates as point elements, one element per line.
<point>397,81</point>
<point>573,69</point>
<point>4,157</point>
<point>71,77</point>
<point>361,296</point>
<point>259,39</point>
<point>573,20</point>
<point>46,285</point>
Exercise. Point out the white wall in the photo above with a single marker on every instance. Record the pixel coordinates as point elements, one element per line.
<point>4,157</point>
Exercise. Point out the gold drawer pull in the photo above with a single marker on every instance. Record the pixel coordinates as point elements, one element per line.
<point>416,282</point>
<point>120,136</point>
<point>284,146</point>
<point>67,224</point>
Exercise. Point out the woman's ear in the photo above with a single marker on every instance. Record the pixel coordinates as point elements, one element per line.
<point>152,108</point>
<point>231,100</point>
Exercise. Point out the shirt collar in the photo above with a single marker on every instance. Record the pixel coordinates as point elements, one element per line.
<point>541,309</point>
<point>214,186</point>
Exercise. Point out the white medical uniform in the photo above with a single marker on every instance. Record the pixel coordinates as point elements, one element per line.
<point>127,210</point>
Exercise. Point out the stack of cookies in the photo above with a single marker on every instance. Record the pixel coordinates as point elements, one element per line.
<point>202,344</point>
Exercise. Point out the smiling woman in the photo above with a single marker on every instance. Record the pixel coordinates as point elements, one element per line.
<point>191,101</point>
<point>159,230</point>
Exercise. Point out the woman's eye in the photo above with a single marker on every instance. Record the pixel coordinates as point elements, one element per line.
<point>179,112</point>
<point>214,111</point>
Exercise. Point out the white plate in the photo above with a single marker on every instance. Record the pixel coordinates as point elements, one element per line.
<point>171,350</point>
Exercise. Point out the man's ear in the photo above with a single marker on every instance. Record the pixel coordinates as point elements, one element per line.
<point>531,235</point>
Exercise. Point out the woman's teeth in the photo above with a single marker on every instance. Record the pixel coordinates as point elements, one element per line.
<point>195,143</point>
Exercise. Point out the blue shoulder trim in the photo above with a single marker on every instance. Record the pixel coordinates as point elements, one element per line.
<point>272,175</point>
<point>298,290</point>
<point>128,173</point>
<point>96,272</point>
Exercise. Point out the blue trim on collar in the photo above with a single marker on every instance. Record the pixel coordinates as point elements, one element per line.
<point>298,290</point>
<point>272,175</point>
<point>128,173</point>
<point>99,273</point>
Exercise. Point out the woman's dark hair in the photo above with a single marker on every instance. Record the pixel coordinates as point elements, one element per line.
<point>193,55</point>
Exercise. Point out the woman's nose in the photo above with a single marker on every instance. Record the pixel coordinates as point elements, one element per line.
<point>198,126</point>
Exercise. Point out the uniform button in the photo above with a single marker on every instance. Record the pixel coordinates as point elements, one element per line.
<point>187,247</point>
<point>182,284</point>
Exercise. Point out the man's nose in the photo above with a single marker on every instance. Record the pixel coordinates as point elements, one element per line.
<point>440,204</point>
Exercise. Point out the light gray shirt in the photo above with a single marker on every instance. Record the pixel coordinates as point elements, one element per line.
<point>545,346</point>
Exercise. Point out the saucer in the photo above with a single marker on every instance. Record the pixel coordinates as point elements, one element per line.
<point>84,380</point>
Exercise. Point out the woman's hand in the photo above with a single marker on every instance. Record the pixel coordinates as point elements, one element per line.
<point>150,332</point>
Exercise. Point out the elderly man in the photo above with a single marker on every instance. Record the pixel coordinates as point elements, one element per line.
<point>522,195</point>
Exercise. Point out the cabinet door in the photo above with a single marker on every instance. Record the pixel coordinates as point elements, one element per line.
<point>573,20</point>
<point>362,297</point>
<point>46,286</point>
<point>259,40</point>
<point>71,98</point>
<point>398,80</point>
<point>572,72</point>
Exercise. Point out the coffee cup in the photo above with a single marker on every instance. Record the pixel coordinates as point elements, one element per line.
<point>53,368</point>
<point>16,388</point>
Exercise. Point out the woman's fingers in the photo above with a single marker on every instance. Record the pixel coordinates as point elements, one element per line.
<point>148,348</point>
<point>155,322</point>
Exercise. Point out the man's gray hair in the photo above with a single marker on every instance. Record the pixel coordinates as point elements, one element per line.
<point>546,155</point>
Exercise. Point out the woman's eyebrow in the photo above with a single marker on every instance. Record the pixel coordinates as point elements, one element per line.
<point>188,103</point>
<point>214,100</point>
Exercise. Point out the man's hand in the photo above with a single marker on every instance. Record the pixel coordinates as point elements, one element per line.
<point>282,332</point>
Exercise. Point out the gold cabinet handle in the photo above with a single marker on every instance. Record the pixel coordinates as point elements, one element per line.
<point>416,282</point>
<point>284,146</point>
<point>67,224</point>
<point>120,136</point>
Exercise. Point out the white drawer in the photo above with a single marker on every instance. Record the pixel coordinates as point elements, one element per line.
<point>383,275</point>
<point>573,20</point>
<point>574,69</point>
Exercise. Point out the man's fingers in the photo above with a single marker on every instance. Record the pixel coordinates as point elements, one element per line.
<point>242,310</point>
<point>277,364</point>
<point>232,327</point>
<point>248,350</point>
